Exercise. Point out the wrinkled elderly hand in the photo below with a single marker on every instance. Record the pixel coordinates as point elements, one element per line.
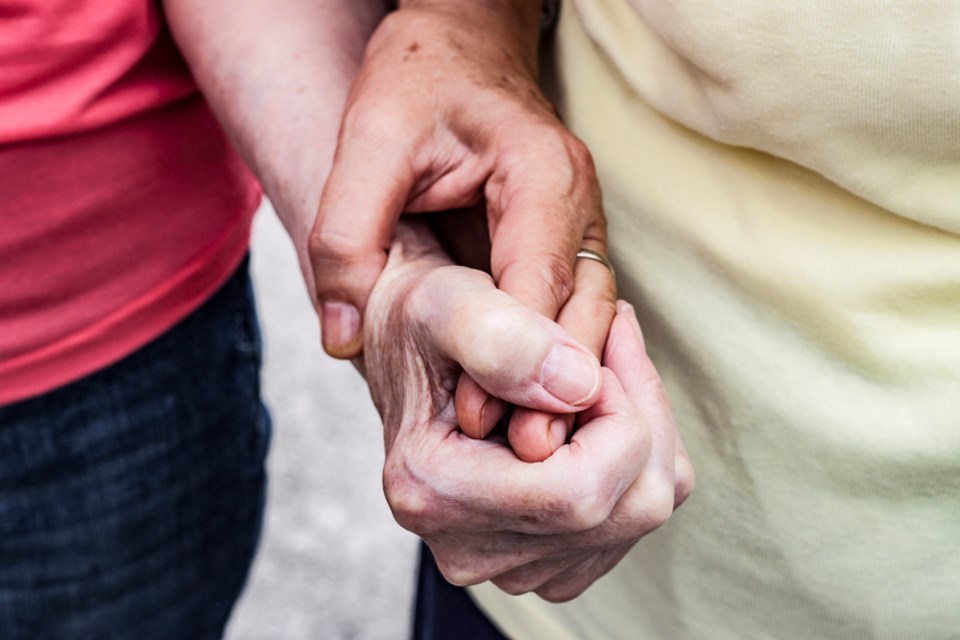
<point>552,527</point>
<point>445,113</point>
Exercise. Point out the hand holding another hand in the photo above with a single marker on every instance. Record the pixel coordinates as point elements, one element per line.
<point>445,113</point>
<point>551,527</point>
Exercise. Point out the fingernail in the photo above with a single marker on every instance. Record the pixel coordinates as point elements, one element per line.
<point>570,375</point>
<point>490,414</point>
<point>340,325</point>
<point>557,434</point>
<point>627,309</point>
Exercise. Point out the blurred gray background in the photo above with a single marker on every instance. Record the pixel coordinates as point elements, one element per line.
<point>332,562</point>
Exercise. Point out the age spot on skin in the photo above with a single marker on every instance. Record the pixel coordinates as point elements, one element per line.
<point>413,48</point>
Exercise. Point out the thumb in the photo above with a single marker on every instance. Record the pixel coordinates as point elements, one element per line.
<point>511,351</point>
<point>362,200</point>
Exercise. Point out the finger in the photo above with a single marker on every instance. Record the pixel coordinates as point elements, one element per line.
<point>482,486</point>
<point>535,435</point>
<point>361,202</point>
<point>478,412</point>
<point>511,351</point>
<point>543,206</point>
<point>533,575</point>
<point>685,475</point>
<point>652,498</point>
<point>534,244</point>
<point>470,558</point>
<point>572,582</point>
<point>518,566</point>
<point>625,354</point>
<point>587,315</point>
<point>540,213</point>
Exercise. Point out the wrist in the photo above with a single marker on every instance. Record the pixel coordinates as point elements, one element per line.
<point>514,25</point>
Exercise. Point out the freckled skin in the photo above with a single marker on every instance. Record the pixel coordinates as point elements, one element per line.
<point>466,125</point>
<point>413,48</point>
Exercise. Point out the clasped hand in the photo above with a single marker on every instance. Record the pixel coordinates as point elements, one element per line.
<point>552,527</point>
<point>445,113</point>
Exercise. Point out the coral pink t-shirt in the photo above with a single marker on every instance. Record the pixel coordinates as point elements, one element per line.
<point>122,205</point>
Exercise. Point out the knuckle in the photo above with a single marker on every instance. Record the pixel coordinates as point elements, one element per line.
<point>418,295</point>
<point>659,501</point>
<point>548,275</point>
<point>686,479</point>
<point>587,183</point>
<point>586,515</point>
<point>426,300</point>
<point>591,503</point>
<point>581,158</point>
<point>330,244</point>
<point>645,509</point>
<point>365,122</point>
<point>571,165</point>
<point>409,502</point>
<point>558,592</point>
<point>559,274</point>
<point>513,585</point>
<point>457,572</point>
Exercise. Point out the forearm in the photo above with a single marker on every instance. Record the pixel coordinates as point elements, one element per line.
<point>277,73</point>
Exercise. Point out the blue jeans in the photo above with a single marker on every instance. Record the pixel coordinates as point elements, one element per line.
<point>131,500</point>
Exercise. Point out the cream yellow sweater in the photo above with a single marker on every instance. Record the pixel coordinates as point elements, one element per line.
<point>783,186</point>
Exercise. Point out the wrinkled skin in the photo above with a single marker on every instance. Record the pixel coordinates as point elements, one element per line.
<point>551,527</point>
<point>446,113</point>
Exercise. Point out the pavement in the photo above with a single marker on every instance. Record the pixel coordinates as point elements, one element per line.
<point>332,564</point>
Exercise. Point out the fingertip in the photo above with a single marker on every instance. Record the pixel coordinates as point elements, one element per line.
<point>478,412</point>
<point>613,398</point>
<point>348,247</point>
<point>491,413</point>
<point>629,314</point>
<point>469,402</point>
<point>572,375</point>
<point>535,436</point>
<point>341,332</point>
<point>625,349</point>
<point>684,473</point>
<point>515,353</point>
<point>557,435</point>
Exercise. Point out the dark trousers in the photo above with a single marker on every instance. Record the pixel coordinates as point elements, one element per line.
<point>446,612</point>
<point>131,500</point>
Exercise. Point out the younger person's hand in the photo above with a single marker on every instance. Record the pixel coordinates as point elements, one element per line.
<point>445,113</point>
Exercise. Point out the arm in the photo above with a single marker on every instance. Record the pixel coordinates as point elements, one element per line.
<point>277,72</point>
<point>276,77</point>
<point>446,113</point>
